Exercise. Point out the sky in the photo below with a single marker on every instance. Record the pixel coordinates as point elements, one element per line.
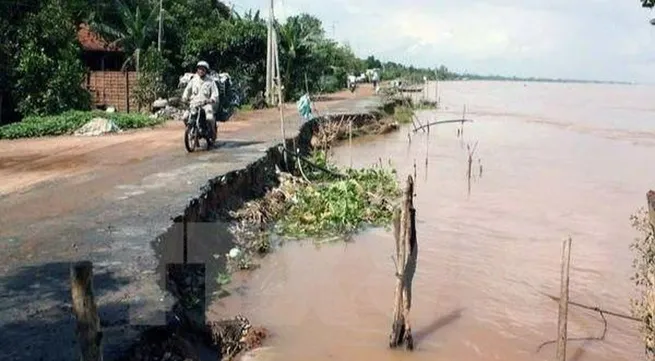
<point>587,40</point>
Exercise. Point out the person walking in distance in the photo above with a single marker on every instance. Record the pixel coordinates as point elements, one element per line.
<point>376,81</point>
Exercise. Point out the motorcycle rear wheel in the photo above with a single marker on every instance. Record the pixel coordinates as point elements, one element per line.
<point>190,139</point>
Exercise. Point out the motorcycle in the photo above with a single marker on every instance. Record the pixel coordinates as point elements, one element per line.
<point>197,127</point>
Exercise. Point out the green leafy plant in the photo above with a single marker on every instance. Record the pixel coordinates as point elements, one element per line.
<point>152,83</point>
<point>223,279</point>
<point>48,73</point>
<point>403,114</point>
<point>334,206</point>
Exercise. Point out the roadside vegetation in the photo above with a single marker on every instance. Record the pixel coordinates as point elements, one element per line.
<point>644,278</point>
<point>331,205</point>
<point>42,71</point>
<point>68,122</point>
<point>403,114</point>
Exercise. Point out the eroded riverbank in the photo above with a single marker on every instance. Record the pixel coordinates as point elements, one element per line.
<point>201,237</point>
<point>485,259</point>
<point>110,217</point>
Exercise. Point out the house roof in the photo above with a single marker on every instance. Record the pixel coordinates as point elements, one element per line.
<point>93,42</point>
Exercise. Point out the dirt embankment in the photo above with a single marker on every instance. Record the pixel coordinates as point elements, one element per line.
<point>187,331</point>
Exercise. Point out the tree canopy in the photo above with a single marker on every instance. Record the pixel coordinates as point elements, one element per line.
<point>41,68</point>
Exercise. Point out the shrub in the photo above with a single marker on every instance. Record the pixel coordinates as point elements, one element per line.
<point>644,278</point>
<point>152,83</point>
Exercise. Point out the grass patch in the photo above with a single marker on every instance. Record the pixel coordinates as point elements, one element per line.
<point>68,122</point>
<point>246,107</point>
<point>403,114</point>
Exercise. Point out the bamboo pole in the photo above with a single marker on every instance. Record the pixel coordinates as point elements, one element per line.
<point>650,198</point>
<point>564,301</point>
<point>441,122</point>
<point>279,94</point>
<point>414,168</point>
<point>323,169</point>
<point>88,332</point>
<point>350,141</point>
<point>594,308</point>
<point>306,84</point>
<point>427,147</point>
<point>269,57</point>
<point>461,132</point>
<point>469,170</point>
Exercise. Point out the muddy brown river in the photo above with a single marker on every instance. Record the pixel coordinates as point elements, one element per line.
<point>557,160</point>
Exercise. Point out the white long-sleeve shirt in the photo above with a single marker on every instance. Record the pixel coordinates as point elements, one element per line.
<point>200,89</point>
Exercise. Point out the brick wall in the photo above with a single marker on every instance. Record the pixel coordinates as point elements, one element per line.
<point>108,88</point>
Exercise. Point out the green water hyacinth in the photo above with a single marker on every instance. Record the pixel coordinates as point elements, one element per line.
<point>332,206</point>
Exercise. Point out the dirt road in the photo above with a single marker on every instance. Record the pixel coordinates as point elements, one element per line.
<point>107,199</point>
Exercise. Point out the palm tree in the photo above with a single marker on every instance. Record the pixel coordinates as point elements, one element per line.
<point>295,39</point>
<point>133,30</point>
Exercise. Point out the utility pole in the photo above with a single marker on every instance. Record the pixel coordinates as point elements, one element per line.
<point>269,57</point>
<point>161,6</point>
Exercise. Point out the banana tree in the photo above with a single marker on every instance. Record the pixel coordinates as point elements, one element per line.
<point>296,40</point>
<point>132,32</point>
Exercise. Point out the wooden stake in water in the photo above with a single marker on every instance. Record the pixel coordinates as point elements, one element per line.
<point>461,132</point>
<point>350,141</point>
<point>414,168</point>
<point>406,257</point>
<point>564,301</point>
<point>427,151</point>
<point>427,146</point>
<point>469,171</point>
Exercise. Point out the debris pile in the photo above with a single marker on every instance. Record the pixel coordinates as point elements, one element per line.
<point>97,126</point>
<point>226,339</point>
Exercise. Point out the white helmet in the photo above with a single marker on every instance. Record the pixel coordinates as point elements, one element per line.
<point>204,64</point>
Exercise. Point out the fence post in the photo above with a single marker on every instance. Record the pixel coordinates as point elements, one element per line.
<point>563,301</point>
<point>89,335</point>
<point>406,259</point>
<point>650,197</point>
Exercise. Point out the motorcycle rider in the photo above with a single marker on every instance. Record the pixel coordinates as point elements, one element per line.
<point>201,87</point>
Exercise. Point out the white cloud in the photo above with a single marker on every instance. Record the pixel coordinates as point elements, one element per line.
<point>599,39</point>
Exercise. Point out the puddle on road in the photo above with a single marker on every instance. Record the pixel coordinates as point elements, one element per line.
<point>484,259</point>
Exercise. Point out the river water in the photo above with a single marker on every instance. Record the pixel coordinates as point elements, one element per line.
<point>556,160</point>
